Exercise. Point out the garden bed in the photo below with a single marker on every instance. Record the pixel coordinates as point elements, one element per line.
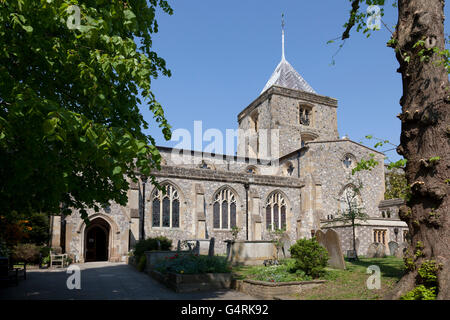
<point>271,290</point>
<point>273,281</point>
<point>192,272</point>
<point>193,282</point>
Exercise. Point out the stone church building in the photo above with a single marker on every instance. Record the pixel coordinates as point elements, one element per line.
<point>290,172</point>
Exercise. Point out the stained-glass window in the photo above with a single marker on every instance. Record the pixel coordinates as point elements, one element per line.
<point>225,215</point>
<point>275,212</point>
<point>166,215</point>
<point>216,209</point>
<point>224,209</point>
<point>283,217</point>
<point>175,213</point>
<point>156,213</point>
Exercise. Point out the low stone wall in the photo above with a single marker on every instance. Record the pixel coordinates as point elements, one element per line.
<point>193,282</point>
<point>270,290</point>
<point>250,252</point>
<point>154,256</point>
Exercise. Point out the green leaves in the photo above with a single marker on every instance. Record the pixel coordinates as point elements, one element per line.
<point>72,129</point>
<point>364,164</point>
<point>49,126</point>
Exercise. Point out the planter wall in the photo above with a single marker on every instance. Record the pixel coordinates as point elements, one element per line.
<point>193,282</point>
<point>250,252</point>
<point>270,290</point>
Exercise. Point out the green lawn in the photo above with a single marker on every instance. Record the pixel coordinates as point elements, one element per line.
<point>349,284</point>
<point>279,273</point>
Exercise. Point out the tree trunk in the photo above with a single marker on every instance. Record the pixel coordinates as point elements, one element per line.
<point>425,135</point>
<point>354,240</point>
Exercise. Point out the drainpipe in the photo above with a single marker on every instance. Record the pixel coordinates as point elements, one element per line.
<point>142,233</point>
<point>246,186</point>
<point>298,164</point>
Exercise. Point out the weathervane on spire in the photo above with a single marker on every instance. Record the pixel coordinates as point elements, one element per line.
<point>282,36</point>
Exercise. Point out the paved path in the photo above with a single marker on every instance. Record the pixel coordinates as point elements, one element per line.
<point>104,281</point>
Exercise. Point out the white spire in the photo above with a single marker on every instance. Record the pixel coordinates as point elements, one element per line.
<point>282,37</point>
<point>284,74</point>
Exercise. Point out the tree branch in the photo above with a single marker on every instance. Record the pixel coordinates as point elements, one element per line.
<point>352,20</point>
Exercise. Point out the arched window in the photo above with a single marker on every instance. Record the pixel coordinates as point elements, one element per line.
<point>349,161</point>
<point>166,208</point>
<point>224,209</point>
<point>275,212</point>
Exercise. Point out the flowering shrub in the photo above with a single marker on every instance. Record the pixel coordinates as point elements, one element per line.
<point>193,264</point>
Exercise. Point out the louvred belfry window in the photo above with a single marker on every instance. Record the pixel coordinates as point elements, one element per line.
<point>305,115</point>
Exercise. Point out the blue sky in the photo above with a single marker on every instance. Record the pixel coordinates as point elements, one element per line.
<point>221,54</point>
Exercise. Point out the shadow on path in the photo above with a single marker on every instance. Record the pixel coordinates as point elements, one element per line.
<point>104,281</point>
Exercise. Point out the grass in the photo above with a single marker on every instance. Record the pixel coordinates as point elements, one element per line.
<point>349,284</point>
<point>276,273</point>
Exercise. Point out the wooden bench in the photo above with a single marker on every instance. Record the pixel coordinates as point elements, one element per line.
<point>58,260</point>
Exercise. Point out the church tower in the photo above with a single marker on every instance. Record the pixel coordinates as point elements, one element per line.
<point>287,113</point>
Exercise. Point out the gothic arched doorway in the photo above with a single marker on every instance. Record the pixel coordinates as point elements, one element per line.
<point>97,240</point>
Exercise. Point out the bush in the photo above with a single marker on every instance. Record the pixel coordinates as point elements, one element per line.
<point>38,232</point>
<point>193,264</point>
<point>142,263</point>
<point>310,257</point>
<point>420,293</point>
<point>151,244</point>
<point>26,252</point>
<point>45,251</point>
<point>4,250</point>
<point>46,260</point>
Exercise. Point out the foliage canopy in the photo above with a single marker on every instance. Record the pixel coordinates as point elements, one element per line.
<point>70,125</point>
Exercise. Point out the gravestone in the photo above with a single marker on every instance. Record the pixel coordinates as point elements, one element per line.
<point>211,247</point>
<point>330,240</point>
<point>351,254</point>
<point>393,248</point>
<point>285,245</point>
<point>197,247</point>
<point>376,250</point>
<point>159,244</point>
<point>401,250</point>
<point>320,236</point>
